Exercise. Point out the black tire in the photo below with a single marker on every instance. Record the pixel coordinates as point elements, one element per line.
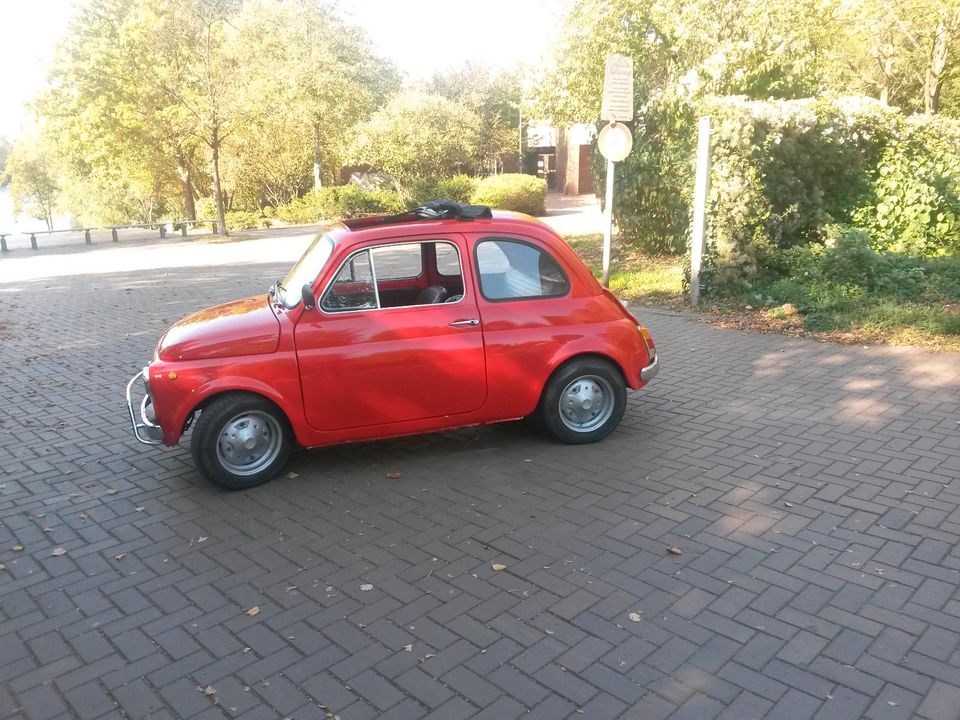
<point>600,382</point>
<point>249,414</point>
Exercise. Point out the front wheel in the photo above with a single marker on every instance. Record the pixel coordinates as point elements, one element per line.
<point>583,401</point>
<point>241,440</point>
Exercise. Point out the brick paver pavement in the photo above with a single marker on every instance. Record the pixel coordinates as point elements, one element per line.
<point>812,488</point>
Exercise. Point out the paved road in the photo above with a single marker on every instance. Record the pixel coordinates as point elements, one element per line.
<point>813,490</point>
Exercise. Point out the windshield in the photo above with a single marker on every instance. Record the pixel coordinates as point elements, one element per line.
<point>306,270</point>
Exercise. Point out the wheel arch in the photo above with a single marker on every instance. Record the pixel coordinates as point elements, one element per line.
<point>220,392</point>
<point>581,356</point>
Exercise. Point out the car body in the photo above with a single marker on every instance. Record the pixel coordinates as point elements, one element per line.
<point>416,325</point>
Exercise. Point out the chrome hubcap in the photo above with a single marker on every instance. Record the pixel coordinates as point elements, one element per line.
<point>586,403</point>
<point>248,443</point>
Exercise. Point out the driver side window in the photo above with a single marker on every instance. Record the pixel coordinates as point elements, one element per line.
<point>353,288</point>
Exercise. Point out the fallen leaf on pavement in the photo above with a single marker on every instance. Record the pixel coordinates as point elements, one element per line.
<point>366,586</point>
<point>57,552</point>
<point>634,617</point>
<point>209,690</point>
<point>112,491</point>
<point>408,648</point>
<point>18,547</point>
<point>498,567</point>
<point>201,539</point>
<point>292,475</point>
<point>139,508</point>
<point>394,475</point>
<point>121,556</point>
<point>255,610</point>
<point>674,550</point>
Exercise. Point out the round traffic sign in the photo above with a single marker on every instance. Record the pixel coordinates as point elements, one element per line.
<point>615,141</point>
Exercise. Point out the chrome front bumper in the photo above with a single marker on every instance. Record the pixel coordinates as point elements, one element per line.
<point>650,371</point>
<point>145,430</point>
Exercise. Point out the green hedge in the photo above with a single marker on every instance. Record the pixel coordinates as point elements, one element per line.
<point>783,172</point>
<point>338,202</point>
<point>512,191</point>
<point>245,220</point>
<point>459,188</point>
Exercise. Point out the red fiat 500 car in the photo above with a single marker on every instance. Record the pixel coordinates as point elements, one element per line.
<point>442,317</point>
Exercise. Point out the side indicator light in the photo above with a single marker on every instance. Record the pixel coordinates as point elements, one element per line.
<point>172,375</point>
<point>648,339</point>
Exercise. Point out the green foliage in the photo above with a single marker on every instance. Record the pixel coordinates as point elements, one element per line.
<point>338,202</point>
<point>512,191</point>
<point>848,272</point>
<point>783,172</point>
<point>418,135</point>
<point>651,208</point>
<point>245,220</point>
<point>5,149</point>
<point>916,199</point>
<point>33,180</point>
<point>495,98</point>
<point>150,102</point>
<point>459,188</point>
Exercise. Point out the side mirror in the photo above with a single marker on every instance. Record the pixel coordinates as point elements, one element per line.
<point>309,301</point>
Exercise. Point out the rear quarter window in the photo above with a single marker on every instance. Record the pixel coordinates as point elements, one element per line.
<point>513,270</point>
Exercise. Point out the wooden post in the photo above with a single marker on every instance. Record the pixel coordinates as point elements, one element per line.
<point>86,237</point>
<point>3,243</point>
<point>183,229</point>
<point>33,241</point>
<point>608,224</point>
<point>113,233</point>
<point>163,231</point>
<point>700,192</point>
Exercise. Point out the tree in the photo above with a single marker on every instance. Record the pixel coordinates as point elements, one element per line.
<point>5,148</point>
<point>325,79</point>
<point>495,98</point>
<point>418,135</point>
<point>33,179</point>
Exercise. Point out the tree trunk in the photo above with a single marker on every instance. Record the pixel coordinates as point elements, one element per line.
<point>933,81</point>
<point>887,77</point>
<point>183,170</point>
<point>317,183</point>
<point>217,191</point>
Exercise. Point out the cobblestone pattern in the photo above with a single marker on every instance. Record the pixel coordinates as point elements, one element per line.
<point>813,490</point>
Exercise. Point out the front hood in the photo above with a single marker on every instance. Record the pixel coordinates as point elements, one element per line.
<point>241,327</point>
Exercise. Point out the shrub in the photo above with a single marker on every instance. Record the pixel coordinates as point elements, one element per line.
<point>458,188</point>
<point>338,202</point>
<point>915,206</point>
<point>245,220</point>
<point>782,173</point>
<point>512,191</point>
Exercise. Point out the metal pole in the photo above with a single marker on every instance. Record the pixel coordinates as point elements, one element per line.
<point>607,224</point>
<point>700,192</point>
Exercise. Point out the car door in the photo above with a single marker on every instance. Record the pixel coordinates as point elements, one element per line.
<point>372,353</point>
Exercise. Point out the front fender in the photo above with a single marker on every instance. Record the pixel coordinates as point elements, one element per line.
<point>180,388</point>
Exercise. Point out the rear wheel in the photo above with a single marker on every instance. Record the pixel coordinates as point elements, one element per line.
<point>583,401</point>
<point>241,440</point>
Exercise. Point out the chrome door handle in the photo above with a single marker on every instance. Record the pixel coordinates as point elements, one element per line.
<point>465,323</point>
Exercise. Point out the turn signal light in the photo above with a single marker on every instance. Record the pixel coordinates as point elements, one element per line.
<point>172,375</point>
<point>648,339</point>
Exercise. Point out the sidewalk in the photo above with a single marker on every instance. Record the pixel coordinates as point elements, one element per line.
<point>574,214</point>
